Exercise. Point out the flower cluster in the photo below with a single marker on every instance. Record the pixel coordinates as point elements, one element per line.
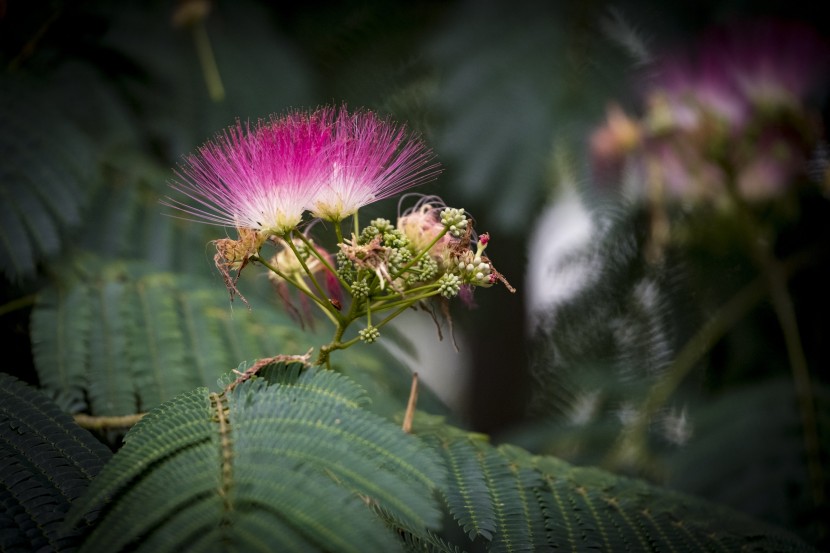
<point>424,248</point>
<point>330,163</point>
<point>732,119</point>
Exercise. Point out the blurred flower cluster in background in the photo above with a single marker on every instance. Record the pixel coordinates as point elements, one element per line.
<point>737,112</point>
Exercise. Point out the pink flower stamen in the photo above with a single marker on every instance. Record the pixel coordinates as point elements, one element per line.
<point>258,177</point>
<point>369,159</point>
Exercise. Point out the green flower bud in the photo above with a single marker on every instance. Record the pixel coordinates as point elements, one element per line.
<point>360,289</point>
<point>449,285</point>
<point>369,334</point>
<point>455,220</point>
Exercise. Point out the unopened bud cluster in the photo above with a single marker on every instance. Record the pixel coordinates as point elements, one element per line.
<point>449,285</point>
<point>369,334</point>
<point>455,220</point>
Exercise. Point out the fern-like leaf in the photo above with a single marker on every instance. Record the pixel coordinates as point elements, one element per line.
<point>117,338</point>
<point>46,462</point>
<point>537,503</point>
<point>288,460</point>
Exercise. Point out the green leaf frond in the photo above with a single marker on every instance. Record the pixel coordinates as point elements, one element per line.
<point>417,540</point>
<point>130,223</point>
<point>117,338</point>
<point>290,459</point>
<point>46,463</point>
<point>510,500</point>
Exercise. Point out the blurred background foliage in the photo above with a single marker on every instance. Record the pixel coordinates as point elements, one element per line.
<point>98,101</point>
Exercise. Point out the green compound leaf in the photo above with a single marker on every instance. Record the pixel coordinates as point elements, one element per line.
<point>46,462</point>
<point>117,338</point>
<point>290,460</point>
<point>130,223</point>
<point>506,499</point>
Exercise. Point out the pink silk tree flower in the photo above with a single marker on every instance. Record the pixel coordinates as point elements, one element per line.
<point>259,178</point>
<point>368,159</point>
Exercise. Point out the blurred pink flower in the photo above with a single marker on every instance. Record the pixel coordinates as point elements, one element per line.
<point>735,111</point>
<point>369,159</point>
<point>690,89</point>
<point>421,223</point>
<point>684,171</point>
<point>737,68</point>
<point>776,159</point>
<point>771,62</point>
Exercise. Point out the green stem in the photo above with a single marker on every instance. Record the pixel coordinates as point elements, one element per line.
<point>325,306</point>
<point>776,279</point>
<point>338,231</point>
<point>785,312</point>
<point>210,70</point>
<point>405,302</point>
<point>325,352</point>
<point>323,259</point>
<point>18,303</point>
<point>409,291</point>
<point>392,316</point>
<point>355,313</point>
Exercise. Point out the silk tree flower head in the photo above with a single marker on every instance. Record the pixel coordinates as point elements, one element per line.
<point>259,177</point>
<point>368,159</point>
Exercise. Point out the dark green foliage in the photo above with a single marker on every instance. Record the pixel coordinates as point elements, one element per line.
<point>130,223</point>
<point>505,94</point>
<point>97,102</point>
<point>260,71</point>
<point>752,445</point>
<point>510,500</point>
<point>46,462</point>
<point>288,460</point>
<point>730,430</point>
<point>602,346</point>
<point>71,134</point>
<point>46,176</point>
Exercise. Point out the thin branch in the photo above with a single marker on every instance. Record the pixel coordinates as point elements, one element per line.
<point>410,405</point>
<point>104,423</point>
